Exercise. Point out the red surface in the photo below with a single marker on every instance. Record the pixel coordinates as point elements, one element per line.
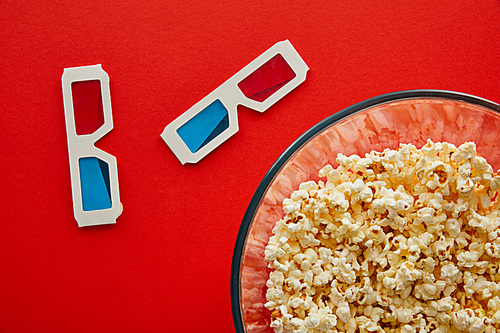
<point>165,265</point>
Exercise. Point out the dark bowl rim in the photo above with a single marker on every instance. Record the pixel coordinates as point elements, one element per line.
<point>297,144</point>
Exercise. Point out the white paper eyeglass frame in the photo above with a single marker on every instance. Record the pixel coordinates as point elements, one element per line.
<point>80,146</point>
<point>231,96</point>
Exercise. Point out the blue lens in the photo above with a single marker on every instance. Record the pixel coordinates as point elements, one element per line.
<point>205,126</point>
<point>94,181</point>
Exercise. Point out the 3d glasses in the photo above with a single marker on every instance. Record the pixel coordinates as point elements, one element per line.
<point>94,176</point>
<point>213,120</point>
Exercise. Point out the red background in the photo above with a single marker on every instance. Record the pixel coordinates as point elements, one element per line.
<point>165,265</point>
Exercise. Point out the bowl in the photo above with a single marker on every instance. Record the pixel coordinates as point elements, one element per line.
<point>385,121</point>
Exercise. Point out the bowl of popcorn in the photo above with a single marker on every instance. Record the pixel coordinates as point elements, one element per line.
<point>384,217</point>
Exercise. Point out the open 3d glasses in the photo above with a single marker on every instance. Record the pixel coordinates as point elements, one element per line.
<point>213,120</point>
<point>94,177</point>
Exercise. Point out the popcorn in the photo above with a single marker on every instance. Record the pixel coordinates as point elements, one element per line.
<point>403,240</point>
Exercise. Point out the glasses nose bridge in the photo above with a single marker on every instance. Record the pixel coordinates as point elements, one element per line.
<point>229,94</point>
<point>234,97</point>
<point>89,140</point>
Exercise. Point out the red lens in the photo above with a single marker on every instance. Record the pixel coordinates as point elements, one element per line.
<point>87,106</point>
<point>267,79</point>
